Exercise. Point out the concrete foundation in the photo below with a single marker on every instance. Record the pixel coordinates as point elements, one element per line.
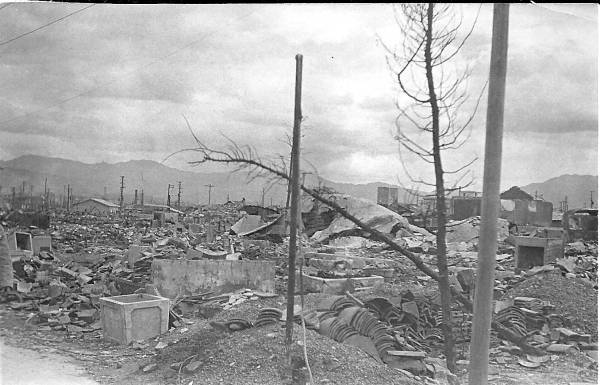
<point>387,274</point>
<point>41,243</point>
<point>321,260</point>
<point>532,251</point>
<point>134,317</point>
<point>335,285</point>
<point>20,241</point>
<point>187,277</point>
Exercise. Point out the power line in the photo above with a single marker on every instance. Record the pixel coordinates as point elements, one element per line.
<point>4,6</point>
<point>45,25</point>
<point>63,101</point>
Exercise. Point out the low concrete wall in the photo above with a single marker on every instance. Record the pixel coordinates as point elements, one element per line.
<point>322,260</point>
<point>334,285</point>
<point>172,277</point>
<point>534,251</point>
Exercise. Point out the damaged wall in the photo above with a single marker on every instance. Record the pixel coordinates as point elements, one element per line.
<point>526,212</point>
<point>188,277</point>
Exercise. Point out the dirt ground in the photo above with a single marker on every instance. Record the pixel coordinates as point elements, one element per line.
<point>254,356</point>
<point>29,367</point>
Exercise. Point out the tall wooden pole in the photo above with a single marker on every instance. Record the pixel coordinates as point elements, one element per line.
<point>486,259</point>
<point>210,187</point>
<point>121,197</point>
<point>45,206</point>
<point>295,197</point>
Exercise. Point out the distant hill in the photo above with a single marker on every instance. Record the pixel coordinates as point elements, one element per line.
<point>575,187</point>
<point>90,180</point>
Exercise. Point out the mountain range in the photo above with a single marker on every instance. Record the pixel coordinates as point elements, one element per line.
<point>104,180</point>
<point>575,188</point>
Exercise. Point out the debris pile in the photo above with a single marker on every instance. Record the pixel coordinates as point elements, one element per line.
<point>374,215</point>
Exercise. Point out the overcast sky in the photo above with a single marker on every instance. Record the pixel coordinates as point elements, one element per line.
<point>113,82</point>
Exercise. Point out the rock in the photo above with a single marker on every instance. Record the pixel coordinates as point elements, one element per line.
<point>150,368</point>
<point>139,345</point>
<point>540,359</point>
<point>559,348</point>
<point>407,353</point>
<point>74,329</point>
<point>193,366</point>
<point>529,364</point>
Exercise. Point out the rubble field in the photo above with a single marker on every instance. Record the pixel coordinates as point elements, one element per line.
<point>225,329</point>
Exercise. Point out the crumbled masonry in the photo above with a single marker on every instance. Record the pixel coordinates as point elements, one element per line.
<point>221,272</point>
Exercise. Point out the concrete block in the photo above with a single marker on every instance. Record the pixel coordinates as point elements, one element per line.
<point>134,317</point>
<point>386,273</point>
<point>19,241</point>
<point>187,277</point>
<point>133,255</point>
<point>261,243</point>
<point>41,243</point>
<point>335,285</point>
<point>356,262</point>
<point>534,251</point>
<point>17,255</point>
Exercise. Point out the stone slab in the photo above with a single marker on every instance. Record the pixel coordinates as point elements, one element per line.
<point>335,285</point>
<point>188,277</point>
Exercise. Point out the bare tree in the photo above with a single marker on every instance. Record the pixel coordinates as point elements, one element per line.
<point>435,98</point>
<point>246,159</point>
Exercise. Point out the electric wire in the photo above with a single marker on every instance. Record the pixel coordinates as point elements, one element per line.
<point>63,101</point>
<point>44,26</point>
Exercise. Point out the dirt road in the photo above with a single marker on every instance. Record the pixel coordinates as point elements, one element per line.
<point>27,367</point>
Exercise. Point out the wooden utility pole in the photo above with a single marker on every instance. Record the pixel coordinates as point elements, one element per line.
<point>295,197</point>
<point>169,194</point>
<point>486,259</point>
<point>179,195</point>
<point>45,206</point>
<point>121,199</point>
<point>68,198</point>
<point>210,187</point>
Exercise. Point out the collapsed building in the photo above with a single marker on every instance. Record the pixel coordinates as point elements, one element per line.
<point>173,266</point>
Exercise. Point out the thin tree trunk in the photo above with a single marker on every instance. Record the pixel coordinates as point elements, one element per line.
<point>295,197</point>
<point>442,263</point>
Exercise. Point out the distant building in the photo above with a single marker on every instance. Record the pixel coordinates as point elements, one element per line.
<point>515,193</point>
<point>469,194</point>
<point>520,208</point>
<point>463,207</point>
<point>95,206</point>
<point>387,196</point>
<point>162,213</point>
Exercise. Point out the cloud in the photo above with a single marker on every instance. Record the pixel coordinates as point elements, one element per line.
<point>112,83</point>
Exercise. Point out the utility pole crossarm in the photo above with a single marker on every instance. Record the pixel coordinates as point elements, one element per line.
<point>210,187</point>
